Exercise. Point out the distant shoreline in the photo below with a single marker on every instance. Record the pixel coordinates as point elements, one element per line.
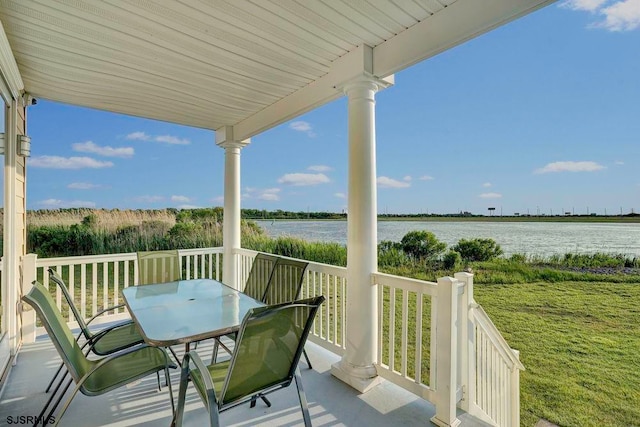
<point>583,219</point>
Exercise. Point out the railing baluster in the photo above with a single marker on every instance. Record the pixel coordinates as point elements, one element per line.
<point>83,290</point>
<point>418,353</point>
<point>94,289</point>
<point>405,328</point>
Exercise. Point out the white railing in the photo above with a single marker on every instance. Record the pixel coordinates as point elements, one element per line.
<point>432,337</point>
<point>488,367</point>
<point>95,281</point>
<point>497,372</point>
<point>406,327</point>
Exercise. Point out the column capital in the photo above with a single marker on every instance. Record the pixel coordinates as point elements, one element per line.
<point>225,139</point>
<point>366,81</point>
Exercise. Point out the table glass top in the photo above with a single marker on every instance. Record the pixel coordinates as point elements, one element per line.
<point>186,310</point>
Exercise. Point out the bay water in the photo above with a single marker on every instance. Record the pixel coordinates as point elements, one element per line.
<point>531,238</point>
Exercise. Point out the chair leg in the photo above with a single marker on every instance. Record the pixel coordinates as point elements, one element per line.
<point>175,356</point>
<point>66,404</point>
<point>307,358</point>
<point>214,355</point>
<point>167,380</point>
<point>303,399</point>
<point>54,377</point>
<point>182,393</point>
<point>55,392</point>
<point>158,377</point>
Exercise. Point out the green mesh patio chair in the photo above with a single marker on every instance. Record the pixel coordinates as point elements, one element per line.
<point>261,270</point>
<point>106,341</point>
<point>265,359</point>
<point>92,377</point>
<point>285,285</point>
<point>255,287</point>
<point>158,267</point>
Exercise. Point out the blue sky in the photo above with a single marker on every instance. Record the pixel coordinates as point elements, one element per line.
<point>541,115</point>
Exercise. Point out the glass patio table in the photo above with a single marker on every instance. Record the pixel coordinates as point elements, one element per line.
<point>185,311</point>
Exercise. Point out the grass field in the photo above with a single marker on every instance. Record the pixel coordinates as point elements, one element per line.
<point>580,344</point>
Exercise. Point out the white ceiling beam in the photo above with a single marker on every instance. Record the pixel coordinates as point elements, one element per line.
<point>325,89</point>
<point>12,85</point>
<point>457,23</point>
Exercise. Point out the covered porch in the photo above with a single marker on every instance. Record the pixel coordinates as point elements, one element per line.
<point>240,69</point>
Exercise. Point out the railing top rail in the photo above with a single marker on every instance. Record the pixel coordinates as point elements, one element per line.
<point>198,251</point>
<point>482,318</point>
<point>85,259</point>
<point>406,283</point>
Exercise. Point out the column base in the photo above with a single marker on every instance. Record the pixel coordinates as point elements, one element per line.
<point>440,423</point>
<point>362,378</point>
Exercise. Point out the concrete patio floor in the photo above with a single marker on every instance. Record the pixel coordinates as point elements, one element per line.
<point>331,402</point>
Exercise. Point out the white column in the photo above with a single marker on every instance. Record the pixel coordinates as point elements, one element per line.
<point>231,221</point>
<point>12,251</point>
<point>357,365</point>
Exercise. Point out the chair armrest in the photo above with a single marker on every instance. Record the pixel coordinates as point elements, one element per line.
<point>206,377</point>
<point>99,313</point>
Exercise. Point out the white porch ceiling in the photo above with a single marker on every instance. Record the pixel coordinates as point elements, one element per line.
<point>247,64</point>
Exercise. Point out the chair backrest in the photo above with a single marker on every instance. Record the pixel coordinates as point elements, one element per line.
<point>158,267</point>
<point>72,306</point>
<point>69,350</point>
<point>261,269</point>
<point>268,348</point>
<point>285,282</point>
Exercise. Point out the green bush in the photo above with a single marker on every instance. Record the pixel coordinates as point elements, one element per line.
<point>422,245</point>
<point>452,260</point>
<point>478,249</point>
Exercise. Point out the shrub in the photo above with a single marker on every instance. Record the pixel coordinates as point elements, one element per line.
<point>451,260</point>
<point>478,249</point>
<point>422,245</point>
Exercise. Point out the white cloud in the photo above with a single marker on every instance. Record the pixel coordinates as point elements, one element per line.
<point>91,147</point>
<point>149,199</point>
<point>302,126</point>
<point>180,199</point>
<point>174,140</point>
<point>167,139</point>
<point>138,136</point>
<point>188,207</point>
<point>586,5</point>
<point>426,178</point>
<point>618,15</point>
<point>621,16</point>
<point>57,203</point>
<point>619,163</point>
<point>570,166</point>
<point>340,195</point>
<point>301,179</point>
<point>57,162</point>
<point>269,194</point>
<point>407,178</point>
<point>82,186</point>
<point>386,182</point>
<point>320,168</point>
<point>490,195</point>
<point>486,184</point>
<point>219,200</point>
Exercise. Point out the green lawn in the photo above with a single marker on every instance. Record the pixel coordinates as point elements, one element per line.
<point>580,344</point>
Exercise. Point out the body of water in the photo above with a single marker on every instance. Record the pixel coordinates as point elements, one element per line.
<point>532,238</point>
